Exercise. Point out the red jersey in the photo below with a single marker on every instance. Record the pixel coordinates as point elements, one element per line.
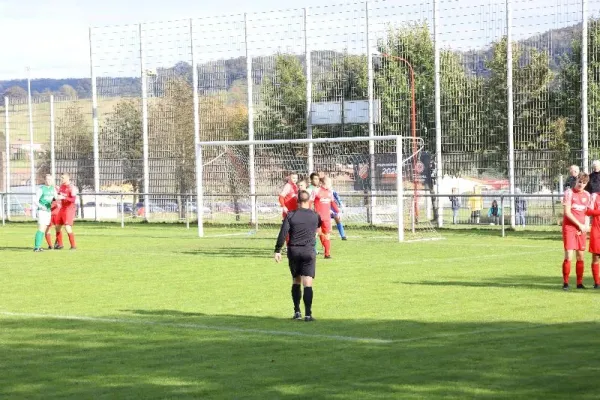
<point>67,190</point>
<point>579,202</point>
<point>55,207</point>
<point>324,202</point>
<point>288,195</point>
<point>594,211</point>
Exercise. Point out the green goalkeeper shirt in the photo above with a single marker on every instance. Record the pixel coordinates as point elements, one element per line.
<point>45,196</point>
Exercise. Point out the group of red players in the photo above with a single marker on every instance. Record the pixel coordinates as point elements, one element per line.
<point>322,201</point>
<point>578,203</point>
<point>63,211</point>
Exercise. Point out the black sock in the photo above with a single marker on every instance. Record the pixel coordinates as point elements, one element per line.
<point>308,297</point>
<point>296,296</point>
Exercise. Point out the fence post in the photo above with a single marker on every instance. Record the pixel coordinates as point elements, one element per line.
<point>144,125</point>
<point>584,86</point>
<point>31,152</point>
<point>250,123</point>
<point>52,140</point>
<point>438,111</point>
<point>7,139</point>
<point>199,206</point>
<point>502,208</point>
<point>509,94</point>
<point>309,130</point>
<point>95,128</point>
<point>122,212</point>
<point>370,92</point>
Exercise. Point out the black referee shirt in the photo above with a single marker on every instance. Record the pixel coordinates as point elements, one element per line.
<point>301,225</point>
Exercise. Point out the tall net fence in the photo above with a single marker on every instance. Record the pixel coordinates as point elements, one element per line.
<point>330,71</point>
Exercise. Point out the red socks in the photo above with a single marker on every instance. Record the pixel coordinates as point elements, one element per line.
<point>72,240</point>
<point>566,270</point>
<point>596,273</point>
<point>59,238</point>
<point>579,272</point>
<point>49,239</point>
<point>327,245</point>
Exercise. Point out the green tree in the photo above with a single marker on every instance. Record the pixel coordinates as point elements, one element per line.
<point>74,151</point>
<point>15,92</point>
<point>282,112</point>
<point>67,91</point>
<point>121,141</point>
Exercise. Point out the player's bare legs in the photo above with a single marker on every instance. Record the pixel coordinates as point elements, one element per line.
<point>596,270</point>
<point>59,239</point>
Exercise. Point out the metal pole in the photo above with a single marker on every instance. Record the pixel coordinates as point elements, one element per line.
<point>95,127</point>
<point>31,153</point>
<point>309,131</point>
<point>122,212</point>
<point>52,140</point>
<point>2,208</point>
<point>199,192</point>
<point>7,138</point>
<point>370,90</point>
<point>502,217</point>
<point>198,161</point>
<point>509,94</point>
<point>250,124</point>
<point>399,190</point>
<point>584,86</point>
<point>144,126</point>
<point>187,209</point>
<point>438,111</point>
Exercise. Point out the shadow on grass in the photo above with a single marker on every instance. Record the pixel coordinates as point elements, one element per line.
<point>517,281</point>
<point>15,248</point>
<point>252,358</point>
<point>232,252</point>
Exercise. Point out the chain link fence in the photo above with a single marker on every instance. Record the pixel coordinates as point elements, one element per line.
<point>435,69</point>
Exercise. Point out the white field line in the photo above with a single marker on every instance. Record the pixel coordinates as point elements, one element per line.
<point>267,332</point>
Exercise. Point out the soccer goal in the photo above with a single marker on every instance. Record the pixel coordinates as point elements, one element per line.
<point>240,182</point>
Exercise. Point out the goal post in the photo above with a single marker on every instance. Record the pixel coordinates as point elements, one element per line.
<point>237,196</point>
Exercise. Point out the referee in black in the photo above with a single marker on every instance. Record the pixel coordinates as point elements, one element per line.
<point>301,225</point>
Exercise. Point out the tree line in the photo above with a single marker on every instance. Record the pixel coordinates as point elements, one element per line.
<point>547,109</point>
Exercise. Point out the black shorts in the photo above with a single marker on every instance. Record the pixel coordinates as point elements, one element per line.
<point>302,260</point>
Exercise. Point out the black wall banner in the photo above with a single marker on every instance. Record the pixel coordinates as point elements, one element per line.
<point>418,170</point>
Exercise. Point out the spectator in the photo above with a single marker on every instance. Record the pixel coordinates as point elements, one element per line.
<point>593,185</point>
<point>520,209</point>
<point>573,174</point>
<point>455,205</point>
<point>476,205</point>
<point>494,212</point>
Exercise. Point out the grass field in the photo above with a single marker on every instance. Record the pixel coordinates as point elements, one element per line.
<point>150,311</point>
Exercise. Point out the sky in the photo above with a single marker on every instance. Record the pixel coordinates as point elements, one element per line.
<point>52,38</point>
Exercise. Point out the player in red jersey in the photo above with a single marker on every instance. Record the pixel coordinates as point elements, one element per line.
<point>54,210</point>
<point>594,211</point>
<point>576,202</point>
<point>67,196</point>
<point>288,194</point>
<point>324,202</point>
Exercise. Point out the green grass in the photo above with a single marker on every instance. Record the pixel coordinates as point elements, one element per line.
<point>151,311</point>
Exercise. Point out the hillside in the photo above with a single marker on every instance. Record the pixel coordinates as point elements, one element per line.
<point>222,75</point>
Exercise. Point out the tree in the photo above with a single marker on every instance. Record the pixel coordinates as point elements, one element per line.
<point>73,148</point>
<point>68,91</point>
<point>121,143</point>
<point>15,92</point>
<point>282,112</point>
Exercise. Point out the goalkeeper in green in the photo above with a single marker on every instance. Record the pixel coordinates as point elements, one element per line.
<point>43,198</point>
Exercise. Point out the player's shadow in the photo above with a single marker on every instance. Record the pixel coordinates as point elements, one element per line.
<point>231,252</point>
<point>15,248</point>
<point>508,282</point>
<point>165,313</point>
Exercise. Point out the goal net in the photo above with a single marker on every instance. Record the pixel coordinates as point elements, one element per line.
<point>241,181</point>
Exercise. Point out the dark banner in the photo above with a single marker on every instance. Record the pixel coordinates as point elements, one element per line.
<point>418,171</point>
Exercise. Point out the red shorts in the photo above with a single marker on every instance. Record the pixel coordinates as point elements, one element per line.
<point>573,239</point>
<point>66,216</point>
<point>325,226</point>
<point>54,219</point>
